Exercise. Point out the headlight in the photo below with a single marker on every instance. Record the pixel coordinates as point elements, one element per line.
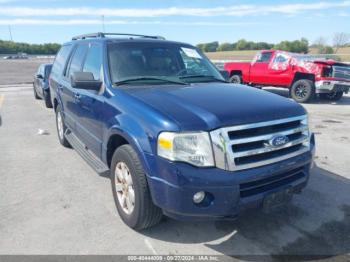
<point>305,122</point>
<point>193,148</point>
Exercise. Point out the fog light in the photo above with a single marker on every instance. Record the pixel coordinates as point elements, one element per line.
<point>198,197</point>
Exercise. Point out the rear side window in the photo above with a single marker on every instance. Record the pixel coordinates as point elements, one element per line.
<point>77,59</point>
<point>93,61</point>
<point>264,57</point>
<point>61,59</point>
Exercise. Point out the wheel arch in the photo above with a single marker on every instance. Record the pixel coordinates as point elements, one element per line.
<point>136,138</point>
<point>301,75</point>
<point>235,72</point>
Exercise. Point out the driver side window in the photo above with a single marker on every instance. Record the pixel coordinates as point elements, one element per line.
<point>263,57</point>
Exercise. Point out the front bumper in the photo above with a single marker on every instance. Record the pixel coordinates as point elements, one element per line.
<point>330,86</point>
<point>228,192</point>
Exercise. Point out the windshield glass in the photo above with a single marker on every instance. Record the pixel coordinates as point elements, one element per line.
<point>142,63</point>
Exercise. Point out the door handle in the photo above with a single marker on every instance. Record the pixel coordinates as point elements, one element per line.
<point>60,87</point>
<point>77,97</point>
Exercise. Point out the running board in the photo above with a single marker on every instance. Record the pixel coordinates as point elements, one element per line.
<point>87,155</point>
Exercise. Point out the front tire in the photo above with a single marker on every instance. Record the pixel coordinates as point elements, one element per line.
<point>61,127</point>
<point>236,79</point>
<point>334,96</point>
<point>303,91</point>
<point>130,190</point>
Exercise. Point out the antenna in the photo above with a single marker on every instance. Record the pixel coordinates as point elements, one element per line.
<point>103,23</point>
<point>10,31</point>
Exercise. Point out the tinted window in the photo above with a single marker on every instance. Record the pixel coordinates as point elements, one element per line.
<point>264,57</point>
<point>61,59</point>
<point>93,61</point>
<point>77,59</point>
<point>168,61</point>
<point>47,70</point>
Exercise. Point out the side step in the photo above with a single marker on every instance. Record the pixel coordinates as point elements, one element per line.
<point>87,155</point>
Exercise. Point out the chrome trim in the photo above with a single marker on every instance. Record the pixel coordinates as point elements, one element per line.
<point>267,123</point>
<point>270,148</point>
<point>222,144</point>
<point>268,136</point>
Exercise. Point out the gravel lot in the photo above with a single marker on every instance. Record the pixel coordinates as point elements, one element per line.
<point>52,202</point>
<point>19,71</point>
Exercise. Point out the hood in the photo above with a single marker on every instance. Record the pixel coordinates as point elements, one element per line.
<point>329,62</point>
<point>212,105</point>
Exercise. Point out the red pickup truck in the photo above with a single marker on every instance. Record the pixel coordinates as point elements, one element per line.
<point>304,75</point>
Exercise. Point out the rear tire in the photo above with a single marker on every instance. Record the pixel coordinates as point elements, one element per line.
<point>334,96</point>
<point>47,99</point>
<point>303,91</point>
<point>130,190</point>
<point>236,79</point>
<point>61,128</point>
<point>35,93</point>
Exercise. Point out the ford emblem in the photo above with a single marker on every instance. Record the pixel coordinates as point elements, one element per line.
<point>278,140</point>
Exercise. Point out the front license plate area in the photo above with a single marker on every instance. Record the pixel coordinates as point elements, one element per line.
<point>277,199</point>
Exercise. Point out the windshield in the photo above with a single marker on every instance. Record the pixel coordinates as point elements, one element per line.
<point>144,63</point>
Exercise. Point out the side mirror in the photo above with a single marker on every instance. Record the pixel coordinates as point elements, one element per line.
<point>225,74</point>
<point>39,76</point>
<point>85,80</point>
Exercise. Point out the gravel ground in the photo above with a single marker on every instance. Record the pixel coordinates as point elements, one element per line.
<point>52,202</point>
<point>19,71</point>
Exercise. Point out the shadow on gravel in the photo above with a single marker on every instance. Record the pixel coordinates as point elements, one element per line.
<point>345,100</point>
<point>315,226</point>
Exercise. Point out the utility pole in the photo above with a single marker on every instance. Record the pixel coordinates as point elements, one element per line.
<point>103,23</point>
<point>10,33</point>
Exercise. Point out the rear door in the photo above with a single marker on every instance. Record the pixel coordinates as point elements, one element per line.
<point>91,103</point>
<point>259,68</point>
<point>68,94</point>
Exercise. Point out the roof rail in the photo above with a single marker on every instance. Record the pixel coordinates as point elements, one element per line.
<point>102,35</point>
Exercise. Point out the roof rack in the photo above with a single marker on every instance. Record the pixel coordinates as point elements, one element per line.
<point>103,35</point>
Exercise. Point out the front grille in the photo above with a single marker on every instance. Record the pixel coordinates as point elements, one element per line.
<point>252,145</point>
<point>266,184</point>
<point>341,72</point>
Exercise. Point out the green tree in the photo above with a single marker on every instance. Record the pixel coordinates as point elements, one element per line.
<point>211,47</point>
<point>225,47</point>
<point>297,46</point>
<point>9,47</point>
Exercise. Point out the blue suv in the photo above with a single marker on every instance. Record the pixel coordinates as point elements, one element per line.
<point>175,137</point>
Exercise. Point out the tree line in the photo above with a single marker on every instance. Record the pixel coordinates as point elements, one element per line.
<point>298,46</point>
<point>10,47</point>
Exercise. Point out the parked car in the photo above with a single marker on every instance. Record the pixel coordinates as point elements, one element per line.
<point>175,137</point>
<point>41,84</point>
<point>304,75</point>
<point>17,56</point>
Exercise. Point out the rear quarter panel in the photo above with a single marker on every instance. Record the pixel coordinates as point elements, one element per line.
<point>243,67</point>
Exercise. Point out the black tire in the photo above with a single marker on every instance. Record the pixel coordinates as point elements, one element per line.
<point>144,213</point>
<point>303,91</point>
<point>64,142</point>
<point>47,99</point>
<point>334,96</point>
<point>35,93</point>
<point>236,79</point>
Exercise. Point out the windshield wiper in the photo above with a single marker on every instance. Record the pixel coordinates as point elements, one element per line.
<point>126,81</point>
<point>204,76</point>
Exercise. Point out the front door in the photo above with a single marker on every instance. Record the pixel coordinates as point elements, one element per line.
<point>91,103</point>
<point>259,68</point>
